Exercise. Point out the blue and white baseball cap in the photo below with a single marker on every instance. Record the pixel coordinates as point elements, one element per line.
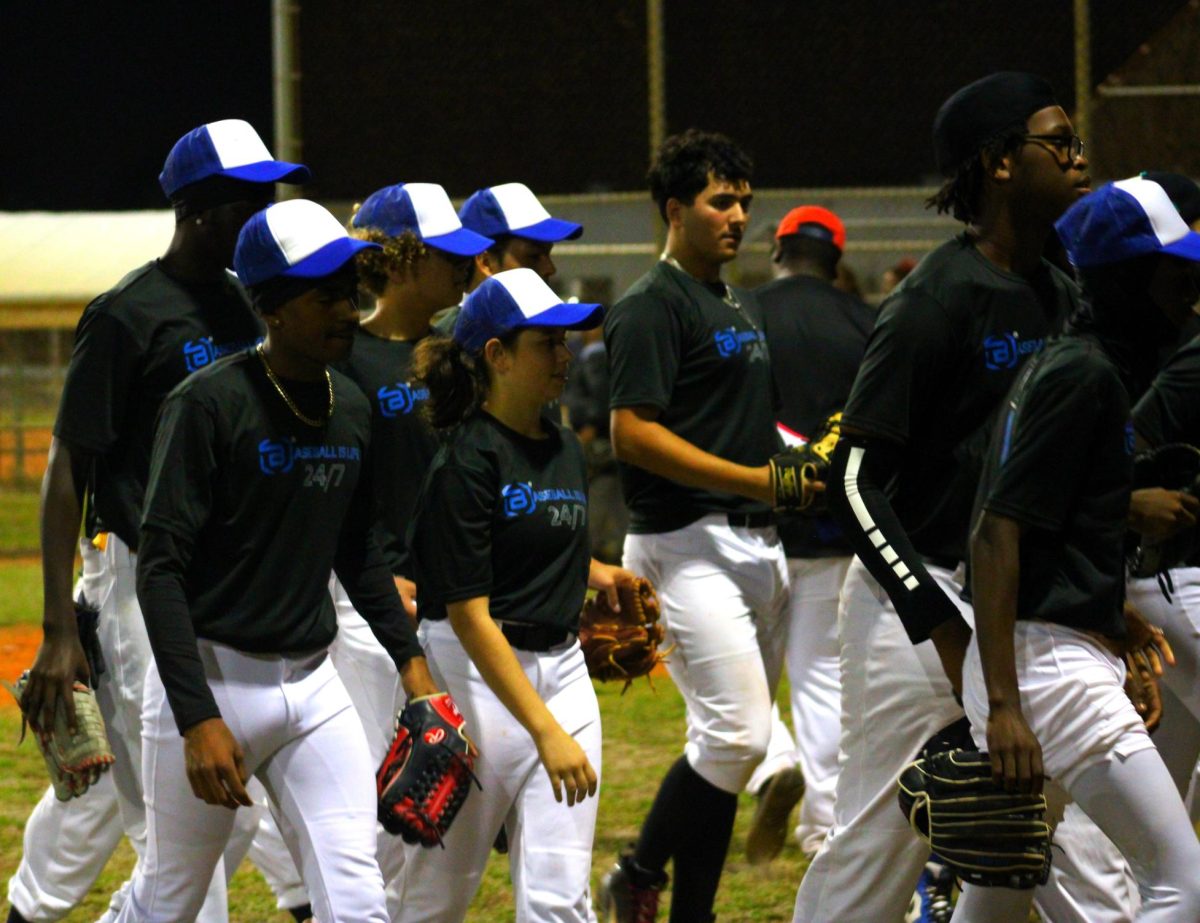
<point>296,238</point>
<point>230,147</point>
<point>425,210</point>
<point>514,299</point>
<point>512,208</point>
<point>1122,220</point>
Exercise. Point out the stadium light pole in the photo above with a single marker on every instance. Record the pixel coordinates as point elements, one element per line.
<point>285,69</point>
<point>1083,70</point>
<point>656,80</point>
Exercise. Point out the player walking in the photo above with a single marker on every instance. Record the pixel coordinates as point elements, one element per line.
<point>809,324</point>
<point>500,547</point>
<point>134,343</point>
<point>1043,680</point>
<point>693,426</point>
<point>258,488</point>
<point>946,347</point>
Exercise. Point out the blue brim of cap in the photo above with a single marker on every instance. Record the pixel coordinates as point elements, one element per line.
<point>570,315</point>
<point>462,242</point>
<point>269,171</point>
<point>1186,247</point>
<point>549,231</point>
<point>328,259</point>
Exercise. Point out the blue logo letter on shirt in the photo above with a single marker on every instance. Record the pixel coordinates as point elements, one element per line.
<point>518,499</point>
<point>198,353</point>
<point>275,457</point>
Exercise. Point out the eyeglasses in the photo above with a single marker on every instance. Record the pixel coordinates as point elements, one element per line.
<point>1072,145</point>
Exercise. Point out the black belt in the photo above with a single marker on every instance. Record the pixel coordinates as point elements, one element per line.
<point>758,520</point>
<point>536,638</point>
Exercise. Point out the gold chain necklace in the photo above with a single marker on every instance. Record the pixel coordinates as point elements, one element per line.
<point>287,399</point>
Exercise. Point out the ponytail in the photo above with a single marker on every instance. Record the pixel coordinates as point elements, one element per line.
<point>457,382</point>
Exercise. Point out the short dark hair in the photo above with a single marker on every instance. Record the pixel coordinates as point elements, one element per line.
<point>798,248</point>
<point>681,167</point>
<point>962,193</point>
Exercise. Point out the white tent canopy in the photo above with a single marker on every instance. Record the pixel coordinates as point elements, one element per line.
<point>70,257</point>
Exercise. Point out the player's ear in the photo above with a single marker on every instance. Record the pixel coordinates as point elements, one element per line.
<point>674,211</point>
<point>999,166</point>
<point>496,355</point>
<point>485,264</point>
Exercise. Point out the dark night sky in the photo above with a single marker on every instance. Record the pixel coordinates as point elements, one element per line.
<point>824,92</point>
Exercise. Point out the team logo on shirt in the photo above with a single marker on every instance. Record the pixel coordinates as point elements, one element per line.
<point>199,353</point>
<point>732,342</point>
<point>400,398</point>
<point>566,507</point>
<point>276,457</point>
<point>1130,441</point>
<point>324,465</point>
<point>1004,351</point>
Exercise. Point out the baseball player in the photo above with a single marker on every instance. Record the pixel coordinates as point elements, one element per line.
<point>258,487</point>
<point>500,545</point>
<point>523,235</point>
<point>693,428</point>
<point>809,324</point>
<point>1043,680</point>
<point>1165,414</point>
<point>134,343</point>
<point>947,344</point>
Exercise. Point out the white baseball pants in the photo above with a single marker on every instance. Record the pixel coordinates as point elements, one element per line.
<point>723,591</point>
<point>550,844</point>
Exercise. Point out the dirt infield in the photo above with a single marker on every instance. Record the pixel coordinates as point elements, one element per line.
<point>18,645</point>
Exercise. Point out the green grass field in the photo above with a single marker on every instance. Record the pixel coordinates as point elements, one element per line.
<point>643,734</point>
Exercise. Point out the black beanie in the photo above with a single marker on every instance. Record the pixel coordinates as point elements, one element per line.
<point>982,110</point>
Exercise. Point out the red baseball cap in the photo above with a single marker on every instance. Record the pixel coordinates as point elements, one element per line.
<point>813,221</point>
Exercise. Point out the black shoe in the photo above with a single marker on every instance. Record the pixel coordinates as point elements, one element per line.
<point>629,894</point>
<point>501,842</point>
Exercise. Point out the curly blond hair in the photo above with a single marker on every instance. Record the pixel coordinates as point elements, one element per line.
<point>398,254</point>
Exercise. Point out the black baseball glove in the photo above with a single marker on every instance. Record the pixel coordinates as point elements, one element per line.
<point>426,775</point>
<point>796,472</point>
<point>987,835</point>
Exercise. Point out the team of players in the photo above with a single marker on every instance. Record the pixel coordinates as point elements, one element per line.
<point>694,421</point>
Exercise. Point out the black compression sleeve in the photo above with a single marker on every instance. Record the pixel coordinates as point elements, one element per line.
<point>855,490</point>
<point>367,579</point>
<point>162,560</point>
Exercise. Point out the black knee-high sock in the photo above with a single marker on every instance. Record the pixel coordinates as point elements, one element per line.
<point>700,853</point>
<point>15,917</point>
<point>691,821</point>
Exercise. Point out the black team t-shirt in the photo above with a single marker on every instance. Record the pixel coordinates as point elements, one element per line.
<point>1061,464</point>
<point>947,346</point>
<point>402,444</point>
<point>698,356</point>
<point>817,335</point>
<point>1170,410</point>
<point>251,508</point>
<point>134,344</point>
<point>505,516</point>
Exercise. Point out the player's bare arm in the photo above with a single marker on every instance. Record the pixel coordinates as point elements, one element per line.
<point>565,762</point>
<point>639,439</point>
<point>1015,752</point>
<point>416,679</point>
<point>60,661</point>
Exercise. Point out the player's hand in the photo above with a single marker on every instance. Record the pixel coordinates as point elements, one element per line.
<point>215,764</point>
<point>60,663</point>
<point>1157,514</point>
<point>1014,750</point>
<point>567,766</point>
<point>1141,685</point>
<point>408,595</point>
<point>609,579</point>
<point>1147,640</point>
